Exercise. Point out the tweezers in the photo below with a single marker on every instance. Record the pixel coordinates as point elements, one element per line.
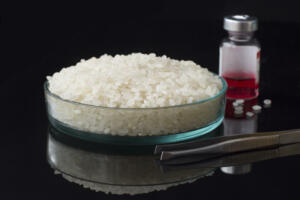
<point>230,160</point>
<point>228,144</point>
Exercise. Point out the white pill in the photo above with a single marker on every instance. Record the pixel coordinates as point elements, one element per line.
<point>249,114</point>
<point>256,108</point>
<point>238,112</point>
<point>240,101</point>
<point>235,104</point>
<point>267,102</point>
<point>238,108</point>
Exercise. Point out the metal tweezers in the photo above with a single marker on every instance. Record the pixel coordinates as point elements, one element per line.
<point>229,160</point>
<point>225,145</point>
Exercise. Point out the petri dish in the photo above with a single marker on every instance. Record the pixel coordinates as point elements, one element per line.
<point>135,126</point>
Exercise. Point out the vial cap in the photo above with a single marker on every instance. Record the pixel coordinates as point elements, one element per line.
<point>240,23</point>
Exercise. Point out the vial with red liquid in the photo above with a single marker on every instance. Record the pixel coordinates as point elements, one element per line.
<point>239,60</point>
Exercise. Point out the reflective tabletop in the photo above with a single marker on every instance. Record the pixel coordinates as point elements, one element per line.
<point>38,162</point>
<point>125,170</point>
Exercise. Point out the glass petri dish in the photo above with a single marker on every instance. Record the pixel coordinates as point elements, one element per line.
<point>135,126</point>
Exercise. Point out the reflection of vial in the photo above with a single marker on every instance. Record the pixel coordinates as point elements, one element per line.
<point>240,57</point>
<point>233,126</point>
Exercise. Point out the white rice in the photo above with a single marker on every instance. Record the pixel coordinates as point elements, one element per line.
<point>134,81</point>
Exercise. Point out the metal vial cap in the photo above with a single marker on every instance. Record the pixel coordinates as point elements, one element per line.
<point>240,23</point>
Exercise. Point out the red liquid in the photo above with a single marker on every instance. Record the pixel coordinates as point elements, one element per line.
<point>241,86</point>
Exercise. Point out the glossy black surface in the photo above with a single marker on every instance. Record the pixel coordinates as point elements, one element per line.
<point>38,43</point>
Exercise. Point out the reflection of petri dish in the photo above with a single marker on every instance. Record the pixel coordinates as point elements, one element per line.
<point>113,173</point>
<point>136,126</point>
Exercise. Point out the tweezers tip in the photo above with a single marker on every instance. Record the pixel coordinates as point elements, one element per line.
<point>157,150</point>
<point>165,155</point>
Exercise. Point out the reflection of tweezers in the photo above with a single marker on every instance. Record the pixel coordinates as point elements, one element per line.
<point>228,144</point>
<point>231,159</point>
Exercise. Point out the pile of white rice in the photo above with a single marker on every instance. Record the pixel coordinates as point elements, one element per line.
<point>133,81</point>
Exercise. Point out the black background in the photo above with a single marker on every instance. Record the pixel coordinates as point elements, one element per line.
<point>38,39</point>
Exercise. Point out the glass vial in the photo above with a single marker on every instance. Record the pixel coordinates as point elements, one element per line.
<point>239,60</point>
